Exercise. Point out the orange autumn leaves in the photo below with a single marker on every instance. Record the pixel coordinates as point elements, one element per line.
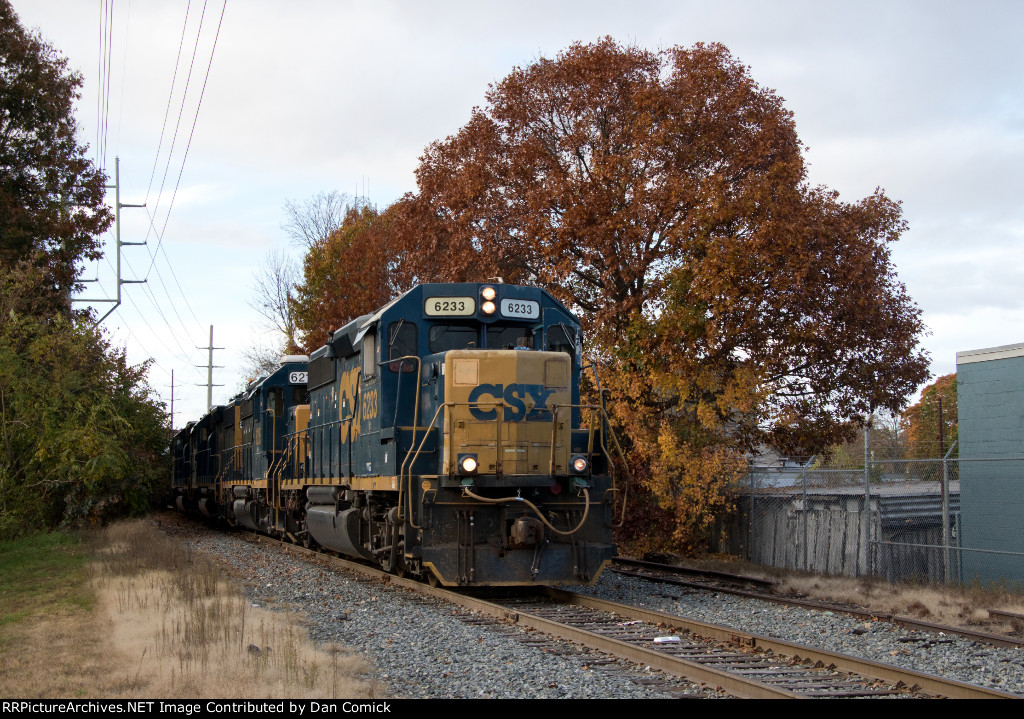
<point>728,305</point>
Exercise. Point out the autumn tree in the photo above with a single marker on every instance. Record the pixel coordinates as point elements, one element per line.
<point>664,196</point>
<point>82,436</point>
<point>51,196</point>
<point>346,275</point>
<point>921,420</point>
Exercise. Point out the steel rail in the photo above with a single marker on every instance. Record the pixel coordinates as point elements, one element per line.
<point>998,640</point>
<point>710,573</point>
<point>930,684</point>
<point>734,684</point>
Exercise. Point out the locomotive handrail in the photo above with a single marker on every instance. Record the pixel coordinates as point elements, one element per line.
<point>277,469</point>
<point>219,479</point>
<point>237,451</point>
<point>415,426</point>
<point>277,465</point>
<point>299,435</point>
<point>625,465</point>
<point>412,462</point>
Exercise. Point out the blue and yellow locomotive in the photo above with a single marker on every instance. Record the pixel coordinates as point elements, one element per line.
<point>442,436</point>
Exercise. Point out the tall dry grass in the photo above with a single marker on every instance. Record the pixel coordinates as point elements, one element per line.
<point>170,623</point>
<point>955,606</point>
<point>965,606</point>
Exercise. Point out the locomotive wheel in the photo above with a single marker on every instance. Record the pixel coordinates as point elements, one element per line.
<point>432,579</point>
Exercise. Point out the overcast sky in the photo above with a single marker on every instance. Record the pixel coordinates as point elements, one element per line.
<point>923,99</point>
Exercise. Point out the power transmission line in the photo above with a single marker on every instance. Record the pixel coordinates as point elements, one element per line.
<point>170,97</point>
<point>195,120</point>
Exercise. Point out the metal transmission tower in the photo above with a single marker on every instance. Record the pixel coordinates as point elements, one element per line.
<point>209,371</point>
<point>117,223</point>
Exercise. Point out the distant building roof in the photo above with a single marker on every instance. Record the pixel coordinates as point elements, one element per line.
<point>990,353</point>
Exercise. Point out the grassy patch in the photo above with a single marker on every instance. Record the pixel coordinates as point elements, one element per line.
<point>130,613</point>
<point>42,574</point>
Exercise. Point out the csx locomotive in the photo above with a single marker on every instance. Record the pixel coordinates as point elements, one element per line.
<point>441,437</point>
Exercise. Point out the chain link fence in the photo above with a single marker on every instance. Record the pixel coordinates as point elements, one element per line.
<point>951,521</point>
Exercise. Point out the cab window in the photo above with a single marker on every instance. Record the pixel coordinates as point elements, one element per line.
<point>443,338</point>
<point>508,337</point>
<point>275,401</point>
<point>560,340</point>
<point>402,343</point>
<point>369,354</point>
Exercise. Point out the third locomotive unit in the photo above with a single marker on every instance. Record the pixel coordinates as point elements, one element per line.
<point>442,436</point>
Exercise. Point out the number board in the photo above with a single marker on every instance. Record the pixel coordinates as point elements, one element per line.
<point>298,377</point>
<point>527,309</point>
<point>449,306</point>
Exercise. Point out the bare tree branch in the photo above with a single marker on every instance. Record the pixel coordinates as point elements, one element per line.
<point>260,359</point>
<point>274,286</point>
<point>311,222</point>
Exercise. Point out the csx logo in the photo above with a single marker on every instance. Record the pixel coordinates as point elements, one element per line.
<point>522,402</point>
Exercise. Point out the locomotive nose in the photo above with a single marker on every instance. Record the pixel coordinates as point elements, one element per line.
<point>504,410</point>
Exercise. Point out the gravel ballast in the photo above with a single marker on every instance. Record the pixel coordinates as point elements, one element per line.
<point>943,655</point>
<point>420,647</point>
<point>425,649</point>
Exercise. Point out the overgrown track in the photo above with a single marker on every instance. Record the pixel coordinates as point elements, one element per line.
<point>739,663</point>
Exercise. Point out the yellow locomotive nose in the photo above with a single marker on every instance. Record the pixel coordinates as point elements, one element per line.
<point>505,412</point>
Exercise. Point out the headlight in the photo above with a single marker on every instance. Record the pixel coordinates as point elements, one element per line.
<point>488,293</point>
<point>468,464</point>
<point>488,307</point>
<point>579,464</point>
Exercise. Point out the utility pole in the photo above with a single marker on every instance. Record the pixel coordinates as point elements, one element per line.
<point>865,527</point>
<point>209,371</point>
<point>172,399</point>
<point>117,224</point>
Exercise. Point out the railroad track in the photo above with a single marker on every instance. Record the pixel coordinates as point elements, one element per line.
<point>753,588</point>
<point>720,658</point>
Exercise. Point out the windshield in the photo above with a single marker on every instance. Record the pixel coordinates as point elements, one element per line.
<point>509,337</point>
<point>452,337</point>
